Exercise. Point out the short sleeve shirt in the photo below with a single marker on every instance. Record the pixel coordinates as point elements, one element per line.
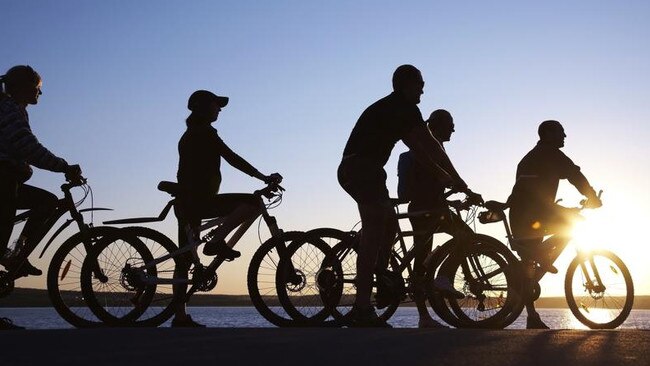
<point>380,126</point>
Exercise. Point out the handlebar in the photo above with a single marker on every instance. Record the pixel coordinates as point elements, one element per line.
<point>271,190</point>
<point>471,199</point>
<point>65,187</point>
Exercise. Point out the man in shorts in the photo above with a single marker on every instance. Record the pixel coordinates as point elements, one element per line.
<point>361,174</point>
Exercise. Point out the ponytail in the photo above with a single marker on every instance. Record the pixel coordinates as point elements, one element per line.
<point>2,89</point>
<point>16,76</point>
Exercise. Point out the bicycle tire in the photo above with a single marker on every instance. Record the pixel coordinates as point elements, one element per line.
<point>436,299</point>
<point>614,276</point>
<point>297,282</point>
<point>119,301</point>
<point>162,302</point>
<point>261,279</point>
<point>64,280</point>
<point>341,296</point>
<point>487,307</point>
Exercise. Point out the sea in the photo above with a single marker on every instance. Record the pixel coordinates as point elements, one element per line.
<point>247,317</point>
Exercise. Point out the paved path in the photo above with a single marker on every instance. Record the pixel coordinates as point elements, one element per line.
<point>307,347</point>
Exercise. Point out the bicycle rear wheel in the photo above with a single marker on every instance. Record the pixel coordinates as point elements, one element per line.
<point>261,278</point>
<point>64,277</point>
<point>599,289</point>
<point>123,297</point>
<point>297,281</point>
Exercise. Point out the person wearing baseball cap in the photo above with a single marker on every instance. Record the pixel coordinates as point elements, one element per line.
<point>199,176</point>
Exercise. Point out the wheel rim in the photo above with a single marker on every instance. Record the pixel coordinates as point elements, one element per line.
<point>299,281</point>
<point>118,299</point>
<point>603,303</point>
<point>64,279</point>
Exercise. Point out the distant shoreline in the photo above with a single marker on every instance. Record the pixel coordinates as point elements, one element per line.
<point>29,297</point>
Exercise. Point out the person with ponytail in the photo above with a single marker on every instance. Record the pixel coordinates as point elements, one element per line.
<point>19,150</point>
<point>200,151</point>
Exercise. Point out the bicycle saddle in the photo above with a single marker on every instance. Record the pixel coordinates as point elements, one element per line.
<point>169,187</point>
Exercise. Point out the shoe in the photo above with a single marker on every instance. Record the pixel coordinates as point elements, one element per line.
<point>21,269</point>
<point>429,323</point>
<point>534,322</point>
<point>7,324</point>
<point>219,247</point>
<point>186,322</point>
<point>443,284</point>
<point>366,318</point>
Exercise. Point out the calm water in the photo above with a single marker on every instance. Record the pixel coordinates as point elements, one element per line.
<point>246,317</point>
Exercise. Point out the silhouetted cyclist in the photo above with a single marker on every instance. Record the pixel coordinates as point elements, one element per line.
<point>19,149</point>
<point>533,211</point>
<point>427,194</point>
<point>199,176</point>
<point>361,174</point>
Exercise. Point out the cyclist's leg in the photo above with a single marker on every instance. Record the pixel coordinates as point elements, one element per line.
<point>365,182</point>
<point>423,243</point>
<point>375,218</point>
<point>8,201</point>
<point>182,268</point>
<point>236,208</point>
<point>525,227</point>
<point>43,206</point>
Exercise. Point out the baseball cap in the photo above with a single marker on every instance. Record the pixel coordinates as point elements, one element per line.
<point>203,97</point>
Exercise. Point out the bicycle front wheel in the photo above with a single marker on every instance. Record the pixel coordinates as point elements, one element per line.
<point>64,277</point>
<point>338,282</point>
<point>486,273</point>
<point>261,278</point>
<point>599,289</point>
<point>297,281</point>
<point>122,286</point>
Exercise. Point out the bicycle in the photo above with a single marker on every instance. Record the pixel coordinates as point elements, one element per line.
<point>135,275</point>
<point>63,283</point>
<point>483,260</point>
<point>598,286</point>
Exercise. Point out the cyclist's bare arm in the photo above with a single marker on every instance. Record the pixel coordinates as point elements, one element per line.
<point>240,163</point>
<point>429,151</point>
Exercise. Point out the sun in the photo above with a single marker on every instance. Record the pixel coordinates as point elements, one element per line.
<point>609,228</point>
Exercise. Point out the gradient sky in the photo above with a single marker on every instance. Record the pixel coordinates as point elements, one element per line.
<point>117,75</point>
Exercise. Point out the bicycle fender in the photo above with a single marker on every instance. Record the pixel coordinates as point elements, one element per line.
<point>95,209</point>
<point>66,224</point>
<point>56,233</point>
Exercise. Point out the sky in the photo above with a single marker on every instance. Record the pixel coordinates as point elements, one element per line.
<point>117,75</point>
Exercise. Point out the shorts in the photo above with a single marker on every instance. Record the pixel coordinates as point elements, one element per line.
<point>364,180</point>
<point>529,228</point>
<point>197,208</point>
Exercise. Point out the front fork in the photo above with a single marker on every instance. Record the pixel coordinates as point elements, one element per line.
<point>593,284</point>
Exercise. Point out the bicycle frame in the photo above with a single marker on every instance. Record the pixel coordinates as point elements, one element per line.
<point>557,243</point>
<point>460,232</point>
<point>403,262</point>
<point>193,243</point>
<point>64,205</point>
